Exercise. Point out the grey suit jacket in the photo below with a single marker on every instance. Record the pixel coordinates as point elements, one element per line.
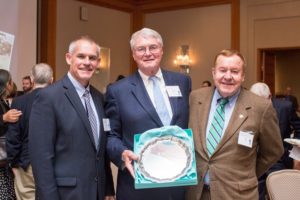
<point>234,168</point>
<point>66,164</point>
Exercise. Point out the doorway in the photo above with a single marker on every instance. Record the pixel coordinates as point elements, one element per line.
<point>279,68</point>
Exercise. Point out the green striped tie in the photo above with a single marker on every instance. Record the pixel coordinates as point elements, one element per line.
<point>216,127</point>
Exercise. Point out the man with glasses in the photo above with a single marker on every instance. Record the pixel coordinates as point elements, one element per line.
<point>132,107</point>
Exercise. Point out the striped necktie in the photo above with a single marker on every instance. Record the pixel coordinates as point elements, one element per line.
<point>216,127</point>
<point>91,116</point>
<point>159,101</point>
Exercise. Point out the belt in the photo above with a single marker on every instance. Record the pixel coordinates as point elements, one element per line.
<point>206,187</point>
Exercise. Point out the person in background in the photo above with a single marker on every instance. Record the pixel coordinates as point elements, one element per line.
<point>206,83</point>
<point>287,118</point>
<point>26,84</point>
<point>67,132</point>
<point>132,108</point>
<point>17,134</point>
<point>290,97</point>
<point>7,116</point>
<point>233,129</point>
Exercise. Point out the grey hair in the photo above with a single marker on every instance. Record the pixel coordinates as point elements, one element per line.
<point>41,74</point>
<point>261,89</point>
<point>73,44</point>
<point>145,33</point>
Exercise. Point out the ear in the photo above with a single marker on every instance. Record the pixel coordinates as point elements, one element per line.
<point>68,58</point>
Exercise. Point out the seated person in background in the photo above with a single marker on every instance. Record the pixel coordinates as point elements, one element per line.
<point>206,83</point>
<point>287,118</point>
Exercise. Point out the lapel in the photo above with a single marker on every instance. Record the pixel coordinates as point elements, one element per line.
<point>169,81</point>
<point>75,101</point>
<point>140,93</point>
<point>238,117</point>
<point>204,103</point>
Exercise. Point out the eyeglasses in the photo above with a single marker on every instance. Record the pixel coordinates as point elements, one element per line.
<point>152,48</point>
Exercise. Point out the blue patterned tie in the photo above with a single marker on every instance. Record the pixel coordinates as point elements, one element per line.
<point>161,107</point>
<point>91,116</point>
<point>216,127</point>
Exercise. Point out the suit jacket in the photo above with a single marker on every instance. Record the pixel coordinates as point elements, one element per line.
<point>234,168</point>
<point>17,133</point>
<point>66,164</point>
<point>131,111</point>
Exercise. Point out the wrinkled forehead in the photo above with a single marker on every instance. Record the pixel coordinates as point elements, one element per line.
<point>232,61</point>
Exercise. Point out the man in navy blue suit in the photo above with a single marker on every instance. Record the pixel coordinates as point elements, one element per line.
<point>17,134</point>
<point>287,119</point>
<point>131,108</point>
<point>67,139</point>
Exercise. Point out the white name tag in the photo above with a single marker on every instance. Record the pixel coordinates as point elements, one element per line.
<point>246,138</point>
<point>173,91</point>
<point>106,124</point>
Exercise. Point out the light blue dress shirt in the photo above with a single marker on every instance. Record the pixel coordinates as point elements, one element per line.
<point>228,112</point>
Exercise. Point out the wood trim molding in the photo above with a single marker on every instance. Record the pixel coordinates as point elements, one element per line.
<point>123,5</point>
<point>47,33</point>
<point>235,24</point>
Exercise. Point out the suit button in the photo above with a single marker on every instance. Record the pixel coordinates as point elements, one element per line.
<point>98,158</point>
<point>96,179</point>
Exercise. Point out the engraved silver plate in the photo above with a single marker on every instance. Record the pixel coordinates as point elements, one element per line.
<point>165,159</point>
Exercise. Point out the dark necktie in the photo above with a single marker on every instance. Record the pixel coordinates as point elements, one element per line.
<point>216,127</point>
<point>91,116</point>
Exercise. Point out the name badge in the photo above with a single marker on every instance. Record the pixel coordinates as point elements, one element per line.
<point>173,91</point>
<point>246,138</point>
<point>106,124</point>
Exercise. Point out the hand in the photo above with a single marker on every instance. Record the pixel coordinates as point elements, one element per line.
<point>12,115</point>
<point>296,164</point>
<point>109,198</point>
<point>128,156</point>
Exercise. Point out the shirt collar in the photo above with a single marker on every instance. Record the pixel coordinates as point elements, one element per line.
<point>78,87</point>
<point>145,77</point>
<point>231,100</point>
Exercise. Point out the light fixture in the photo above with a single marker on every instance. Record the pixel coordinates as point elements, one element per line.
<point>105,60</point>
<point>183,59</point>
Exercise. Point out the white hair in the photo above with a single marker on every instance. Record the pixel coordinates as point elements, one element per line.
<point>41,74</point>
<point>261,89</point>
<point>145,33</point>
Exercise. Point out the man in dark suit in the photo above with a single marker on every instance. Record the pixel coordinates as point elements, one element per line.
<point>236,134</point>
<point>17,134</point>
<point>131,108</point>
<point>67,136</point>
<point>287,117</point>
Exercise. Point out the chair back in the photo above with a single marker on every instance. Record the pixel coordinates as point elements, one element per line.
<point>284,185</point>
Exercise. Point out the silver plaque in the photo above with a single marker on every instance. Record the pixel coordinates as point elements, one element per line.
<point>165,159</point>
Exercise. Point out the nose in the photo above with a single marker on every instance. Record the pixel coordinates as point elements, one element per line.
<point>228,75</point>
<point>86,60</point>
<point>147,51</point>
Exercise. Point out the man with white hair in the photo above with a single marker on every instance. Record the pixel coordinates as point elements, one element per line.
<point>17,134</point>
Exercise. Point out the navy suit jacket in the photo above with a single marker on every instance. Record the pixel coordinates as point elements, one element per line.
<point>131,111</point>
<point>66,164</point>
<point>17,134</point>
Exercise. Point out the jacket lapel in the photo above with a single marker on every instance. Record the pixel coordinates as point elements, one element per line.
<point>140,93</point>
<point>169,81</point>
<point>75,101</point>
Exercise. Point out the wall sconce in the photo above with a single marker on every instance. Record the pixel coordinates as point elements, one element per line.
<point>183,59</point>
<point>105,60</point>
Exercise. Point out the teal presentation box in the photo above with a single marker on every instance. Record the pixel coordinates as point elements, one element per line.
<point>165,135</point>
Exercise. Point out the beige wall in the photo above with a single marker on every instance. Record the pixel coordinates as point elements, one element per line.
<point>19,17</point>
<point>205,29</point>
<point>110,28</point>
